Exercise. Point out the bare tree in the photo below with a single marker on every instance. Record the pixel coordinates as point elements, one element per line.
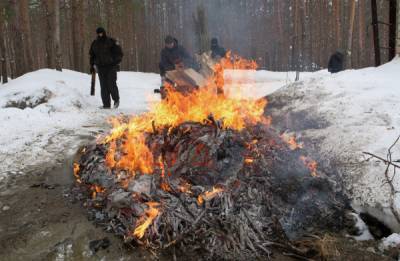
<point>200,25</point>
<point>350,34</point>
<point>398,28</point>
<point>3,54</point>
<point>20,61</point>
<point>26,32</point>
<point>361,31</point>
<point>57,36</point>
<point>48,6</point>
<point>282,34</point>
<point>78,33</point>
<point>336,14</point>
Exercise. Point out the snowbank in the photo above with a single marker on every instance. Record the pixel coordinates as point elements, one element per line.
<point>343,115</point>
<point>46,113</point>
<point>257,84</point>
<point>392,241</point>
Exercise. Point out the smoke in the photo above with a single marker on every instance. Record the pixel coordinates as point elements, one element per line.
<point>231,22</point>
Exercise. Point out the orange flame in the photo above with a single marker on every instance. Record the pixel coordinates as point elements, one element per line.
<point>166,187</point>
<point>208,195</point>
<point>147,219</point>
<point>310,164</point>
<point>76,171</point>
<point>161,165</point>
<point>96,189</point>
<point>133,153</point>
<point>185,187</point>
<point>249,160</point>
<point>291,141</point>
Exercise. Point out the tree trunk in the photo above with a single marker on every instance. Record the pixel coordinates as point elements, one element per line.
<point>50,22</point>
<point>350,34</point>
<point>336,14</point>
<point>26,32</point>
<point>295,37</point>
<point>78,34</point>
<point>20,62</point>
<point>57,36</point>
<point>3,53</point>
<point>200,24</point>
<point>398,28</point>
<point>361,32</point>
<point>392,29</point>
<point>375,25</point>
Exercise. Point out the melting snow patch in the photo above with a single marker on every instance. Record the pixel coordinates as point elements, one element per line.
<point>392,241</point>
<point>362,229</point>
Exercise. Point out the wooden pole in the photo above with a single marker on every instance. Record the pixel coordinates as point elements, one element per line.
<point>376,32</point>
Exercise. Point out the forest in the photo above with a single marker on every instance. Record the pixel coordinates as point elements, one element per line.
<point>279,35</point>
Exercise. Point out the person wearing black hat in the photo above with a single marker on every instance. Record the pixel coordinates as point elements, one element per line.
<point>106,55</point>
<point>336,62</point>
<point>217,52</point>
<point>174,54</point>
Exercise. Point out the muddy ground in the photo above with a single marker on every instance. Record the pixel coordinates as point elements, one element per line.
<point>39,221</point>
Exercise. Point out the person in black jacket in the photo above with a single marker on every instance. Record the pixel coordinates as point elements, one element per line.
<point>336,62</point>
<point>217,52</point>
<point>174,54</point>
<point>106,55</point>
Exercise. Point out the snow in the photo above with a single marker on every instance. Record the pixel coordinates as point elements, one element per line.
<point>359,109</point>
<point>257,84</point>
<point>392,241</point>
<point>364,233</point>
<point>66,114</point>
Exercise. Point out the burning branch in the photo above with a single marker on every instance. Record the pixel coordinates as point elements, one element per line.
<point>145,221</point>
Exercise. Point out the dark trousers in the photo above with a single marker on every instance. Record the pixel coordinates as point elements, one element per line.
<point>108,85</point>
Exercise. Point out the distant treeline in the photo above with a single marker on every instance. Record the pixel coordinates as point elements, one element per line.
<point>279,34</point>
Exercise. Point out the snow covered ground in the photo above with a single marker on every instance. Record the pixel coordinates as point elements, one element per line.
<point>344,115</point>
<point>45,115</point>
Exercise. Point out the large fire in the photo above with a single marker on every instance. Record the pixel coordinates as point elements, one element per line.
<point>197,106</point>
<point>128,150</point>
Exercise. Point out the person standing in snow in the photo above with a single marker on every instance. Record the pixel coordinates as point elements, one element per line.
<point>217,52</point>
<point>174,55</point>
<point>105,57</point>
<point>336,62</point>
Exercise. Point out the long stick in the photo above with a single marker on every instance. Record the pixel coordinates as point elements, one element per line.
<point>382,159</point>
<point>93,85</point>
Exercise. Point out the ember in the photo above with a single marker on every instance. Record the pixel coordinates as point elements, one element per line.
<point>208,195</point>
<point>202,171</point>
<point>291,141</point>
<point>311,165</point>
<point>76,171</point>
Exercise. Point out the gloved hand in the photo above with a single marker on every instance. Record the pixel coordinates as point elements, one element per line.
<point>92,69</point>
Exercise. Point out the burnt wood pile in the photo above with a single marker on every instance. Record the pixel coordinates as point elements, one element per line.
<point>221,193</point>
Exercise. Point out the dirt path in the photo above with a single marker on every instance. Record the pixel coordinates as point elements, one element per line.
<point>38,221</point>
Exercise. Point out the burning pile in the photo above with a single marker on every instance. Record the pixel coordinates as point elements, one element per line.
<point>204,172</point>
